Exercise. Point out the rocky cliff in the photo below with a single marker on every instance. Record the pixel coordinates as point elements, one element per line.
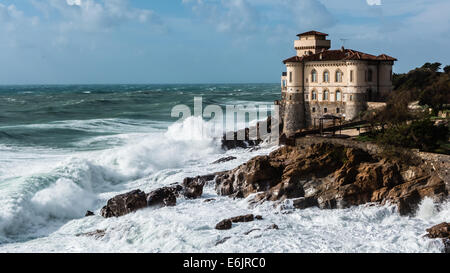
<point>331,176</point>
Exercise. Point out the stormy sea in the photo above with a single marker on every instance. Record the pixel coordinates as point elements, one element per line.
<point>68,149</point>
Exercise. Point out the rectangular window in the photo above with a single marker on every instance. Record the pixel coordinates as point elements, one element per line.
<point>314,109</point>
<point>290,76</point>
<point>306,96</point>
<point>325,110</point>
<point>338,110</point>
<point>351,75</point>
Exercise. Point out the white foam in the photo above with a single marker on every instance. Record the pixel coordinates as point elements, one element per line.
<point>44,205</point>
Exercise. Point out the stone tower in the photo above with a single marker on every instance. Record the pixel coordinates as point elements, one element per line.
<point>311,42</point>
<point>294,103</point>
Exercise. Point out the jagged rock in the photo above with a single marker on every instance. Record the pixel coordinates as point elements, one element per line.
<point>124,203</point>
<point>225,159</point>
<point>331,176</point>
<point>100,233</point>
<point>273,227</point>
<point>305,202</point>
<point>163,197</point>
<point>89,213</point>
<point>243,218</point>
<point>224,224</point>
<point>222,241</point>
<point>441,231</point>
<point>193,186</point>
<point>250,231</point>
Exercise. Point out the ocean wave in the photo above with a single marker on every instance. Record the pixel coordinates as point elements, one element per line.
<point>64,186</point>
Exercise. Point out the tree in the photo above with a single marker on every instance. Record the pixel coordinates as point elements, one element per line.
<point>447,69</point>
<point>432,66</point>
<point>437,95</point>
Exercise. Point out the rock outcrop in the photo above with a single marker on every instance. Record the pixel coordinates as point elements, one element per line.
<point>224,224</point>
<point>164,197</point>
<point>193,186</point>
<point>331,176</point>
<point>441,231</point>
<point>124,203</point>
<point>225,159</point>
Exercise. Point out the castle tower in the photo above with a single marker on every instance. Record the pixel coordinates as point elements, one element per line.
<point>311,42</point>
<point>294,104</point>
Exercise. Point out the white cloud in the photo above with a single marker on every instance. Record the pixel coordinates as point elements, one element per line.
<point>250,16</point>
<point>95,15</point>
<point>374,2</point>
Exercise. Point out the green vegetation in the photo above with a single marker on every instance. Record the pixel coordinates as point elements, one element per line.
<point>400,125</point>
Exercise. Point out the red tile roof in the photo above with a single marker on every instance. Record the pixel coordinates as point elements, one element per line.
<point>339,55</point>
<point>313,32</point>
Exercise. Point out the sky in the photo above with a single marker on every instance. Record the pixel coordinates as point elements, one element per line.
<point>204,41</point>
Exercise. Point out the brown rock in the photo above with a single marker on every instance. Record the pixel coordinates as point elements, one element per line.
<point>273,227</point>
<point>225,159</point>
<point>243,218</point>
<point>331,176</point>
<point>193,186</point>
<point>163,197</point>
<point>305,202</point>
<point>124,203</point>
<point>89,213</point>
<point>224,224</point>
<point>441,231</point>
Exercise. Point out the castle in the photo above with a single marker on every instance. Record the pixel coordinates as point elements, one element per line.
<point>321,82</point>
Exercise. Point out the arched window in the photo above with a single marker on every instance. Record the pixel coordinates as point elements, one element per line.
<point>314,76</point>
<point>370,75</point>
<point>338,95</point>
<point>326,76</point>
<point>326,95</point>
<point>314,95</point>
<point>339,76</point>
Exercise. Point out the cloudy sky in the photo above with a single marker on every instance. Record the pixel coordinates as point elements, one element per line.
<point>203,41</point>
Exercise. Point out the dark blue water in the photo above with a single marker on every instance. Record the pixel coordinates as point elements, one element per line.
<point>41,115</point>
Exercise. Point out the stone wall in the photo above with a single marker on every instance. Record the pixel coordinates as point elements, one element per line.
<point>366,146</point>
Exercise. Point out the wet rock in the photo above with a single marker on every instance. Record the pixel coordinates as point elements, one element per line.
<point>305,202</point>
<point>225,159</point>
<point>273,227</point>
<point>252,230</point>
<point>193,186</point>
<point>222,241</point>
<point>124,203</point>
<point>243,218</point>
<point>441,231</point>
<point>209,200</point>
<point>224,224</point>
<point>89,213</point>
<point>163,197</point>
<point>258,217</point>
<point>100,233</point>
<point>331,176</point>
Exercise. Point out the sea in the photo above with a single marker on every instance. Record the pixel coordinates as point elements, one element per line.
<point>66,149</point>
